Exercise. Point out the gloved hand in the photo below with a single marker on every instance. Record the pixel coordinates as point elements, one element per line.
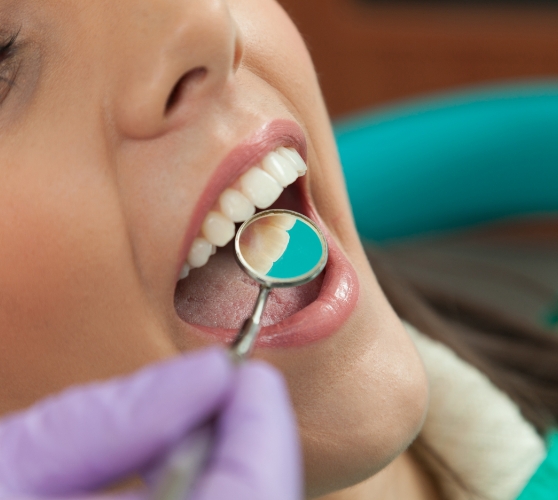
<point>88,437</point>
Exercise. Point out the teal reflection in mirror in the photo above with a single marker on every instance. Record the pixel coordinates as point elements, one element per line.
<point>281,248</point>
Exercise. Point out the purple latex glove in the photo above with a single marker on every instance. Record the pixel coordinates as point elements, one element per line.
<point>88,437</point>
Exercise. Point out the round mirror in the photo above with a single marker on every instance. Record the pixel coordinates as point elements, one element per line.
<point>281,248</point>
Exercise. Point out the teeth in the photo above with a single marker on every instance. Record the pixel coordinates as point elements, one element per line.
<point>185,272</point>
<point>263,244</point>
<point>199,253</point>
<point>269,241</point>
<point>297,161</point>
<point>284,221</point>
<point>258,187</point>
<point>280,169</point>
<point>218,229</point>
<point>236,206</point>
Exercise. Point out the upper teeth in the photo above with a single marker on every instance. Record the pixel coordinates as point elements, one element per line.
<point>258,187</point>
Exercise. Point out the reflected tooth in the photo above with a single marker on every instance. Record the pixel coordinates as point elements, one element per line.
<point>213,249</point>
<point>281,169</point>
<point>297,161</point>
<point>271,241</point>
<point>185,272</point>
<point>262,245</point>
<point>218,229</point>
<point>236,206</point>
<point>265,240</point>
<point>199,253</point>
<point>258,262</point>
<point>260,188</point>
<point>284,221</point>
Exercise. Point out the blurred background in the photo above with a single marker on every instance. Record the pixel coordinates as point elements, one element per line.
<point>373,52</point>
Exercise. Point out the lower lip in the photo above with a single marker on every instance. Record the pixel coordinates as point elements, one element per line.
<point>322,318</point>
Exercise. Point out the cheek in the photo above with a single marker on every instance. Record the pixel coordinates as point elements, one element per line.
<point>70,309</point>
<point>59,240</point>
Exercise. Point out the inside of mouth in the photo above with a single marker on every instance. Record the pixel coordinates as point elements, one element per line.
<point>220,295</point>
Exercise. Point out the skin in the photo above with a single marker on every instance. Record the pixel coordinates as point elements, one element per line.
<point>99,180</point>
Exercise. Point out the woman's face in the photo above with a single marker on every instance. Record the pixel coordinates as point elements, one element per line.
<point>121,125</point>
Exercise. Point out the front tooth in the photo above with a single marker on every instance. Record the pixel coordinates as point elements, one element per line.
<point>283,221</point>
<point>218,229</point>
<point>292,155</point>
<point>270,240</point>
<point>185,272</point>
<point>280,169</point>
<point>236,206</point>
<point>260,188</point>
<point>199,253</point>
<point>262,245</point>
<point>257,261</point>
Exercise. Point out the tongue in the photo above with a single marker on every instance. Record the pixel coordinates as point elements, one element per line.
<point>221,295</point>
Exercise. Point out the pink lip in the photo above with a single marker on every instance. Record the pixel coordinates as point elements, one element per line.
<point>323,317</point>
<point>244,156</point>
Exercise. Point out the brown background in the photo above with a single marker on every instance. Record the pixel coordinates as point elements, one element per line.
<point>373,53</point>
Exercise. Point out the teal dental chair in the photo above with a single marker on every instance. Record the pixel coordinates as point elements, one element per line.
<point>452,161</point>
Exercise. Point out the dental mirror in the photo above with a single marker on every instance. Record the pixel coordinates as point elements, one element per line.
<point>278,249</point>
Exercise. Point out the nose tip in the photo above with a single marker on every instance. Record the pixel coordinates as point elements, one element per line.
<point>189,52</point>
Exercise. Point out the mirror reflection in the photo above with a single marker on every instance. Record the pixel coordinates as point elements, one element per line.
<point>282,246</point>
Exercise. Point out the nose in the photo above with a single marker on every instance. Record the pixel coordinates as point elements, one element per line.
<point>177,53</point>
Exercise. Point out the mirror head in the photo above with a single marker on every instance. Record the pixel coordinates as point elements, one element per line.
<point>281,248</point>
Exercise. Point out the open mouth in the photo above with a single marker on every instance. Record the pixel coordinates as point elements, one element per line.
<point>215,296</point>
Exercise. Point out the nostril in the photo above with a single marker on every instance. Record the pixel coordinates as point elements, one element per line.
<point>185,83</point>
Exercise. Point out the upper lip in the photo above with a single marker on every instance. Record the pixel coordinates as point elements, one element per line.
<point>244,156</point>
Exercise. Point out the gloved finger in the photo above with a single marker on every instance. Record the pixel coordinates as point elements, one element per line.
<point>257,453</point>
<point>92,435</point>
